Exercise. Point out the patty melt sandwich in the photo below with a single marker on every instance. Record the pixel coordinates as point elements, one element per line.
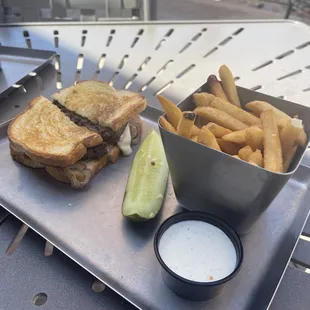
<point>75,136</point>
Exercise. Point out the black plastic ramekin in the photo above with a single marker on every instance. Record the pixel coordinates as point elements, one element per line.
<point>189,289</point>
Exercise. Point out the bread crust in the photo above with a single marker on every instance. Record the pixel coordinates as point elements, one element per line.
<point>46,135</point>
<point>101,105</point>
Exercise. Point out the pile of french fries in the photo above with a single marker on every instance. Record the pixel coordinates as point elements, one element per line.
<point>263,136</point>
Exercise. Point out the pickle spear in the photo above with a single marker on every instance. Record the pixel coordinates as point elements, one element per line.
<point>147,180</point>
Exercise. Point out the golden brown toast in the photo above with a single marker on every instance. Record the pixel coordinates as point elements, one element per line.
<point>47,136</point>
<point>101,103</point>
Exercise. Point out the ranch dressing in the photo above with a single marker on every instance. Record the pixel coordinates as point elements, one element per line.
<point>198,251</point>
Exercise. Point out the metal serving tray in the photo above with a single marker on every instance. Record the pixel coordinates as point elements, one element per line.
<point>88,226</point>
<point>18,64</point>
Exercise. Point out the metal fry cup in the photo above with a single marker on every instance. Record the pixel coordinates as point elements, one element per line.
<point>208,180</point>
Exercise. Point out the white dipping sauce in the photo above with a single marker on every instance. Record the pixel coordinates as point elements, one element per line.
<point>198,251</point>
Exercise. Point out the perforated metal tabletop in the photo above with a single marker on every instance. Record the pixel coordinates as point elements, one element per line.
<point>173,59</point>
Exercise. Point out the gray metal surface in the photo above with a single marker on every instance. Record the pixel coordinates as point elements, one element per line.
<point>293,293</point>
<point>28,272</point>
<point>18,64</point>
<point>178,56</point>
<point>3,215</point>
<point>81,224</point>
<point>306,230</point>
<point>302,254</point>
<point>157,54</point>
<point>211,181</point>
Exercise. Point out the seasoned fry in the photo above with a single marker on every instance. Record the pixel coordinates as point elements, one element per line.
<point>194,138</point>
<point>186,124</point>
<point>288,160</point>
<point>260,106</point>
<point>245,152</point>
<point>221,118</point>
<point>236,136</point>
<point>229,85</point>
<point>206,137</point>
<point>165,124</point>
<point>254,137</point>
<point>204,99</point>
<point>288,137</point>
<point>282,118</point>
<point>272,144</point>
<point>228,147</point>
<point>216,88</point>
<point>302,137</point>
<point>195,131</point>
<point>218,130</point>
<point>174,114</point>
<point>256,158</point>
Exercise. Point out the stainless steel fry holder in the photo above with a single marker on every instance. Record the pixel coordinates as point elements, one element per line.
<point>208,180</point>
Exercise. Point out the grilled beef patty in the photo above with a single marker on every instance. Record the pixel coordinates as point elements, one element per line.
<point>109,136</point>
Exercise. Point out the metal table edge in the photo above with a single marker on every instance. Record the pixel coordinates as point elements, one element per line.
<point>290,257</point>
<point>160,22</point>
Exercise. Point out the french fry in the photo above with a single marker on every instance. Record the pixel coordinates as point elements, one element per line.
<point>302,136</point>
<point>186,124</point>
<point>236,136</point>
<point>288,160</point>
<point>221,118</point>
<point>260,106</point>
<point>282,118</point>
<point>218,130</point>
<point>194,138</point>
<point>229,85</point>
<point>205,99</point>
<point>245,152</point>
<point>256,158</point>
<point>206,137</point>
<point>228,147</point>
<point>216,88</point>
<point>254,137</point>
<point>165,124</point>
<point>195,130</point>
<point>272,144</point>
<point>288,137</point>
<point>174,114</point>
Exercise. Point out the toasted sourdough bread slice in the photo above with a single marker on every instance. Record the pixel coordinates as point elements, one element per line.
<point>101,103</point>
<point>78,174</point>
<point>49,137</point>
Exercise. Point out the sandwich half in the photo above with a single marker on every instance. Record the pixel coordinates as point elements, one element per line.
<point>63,141</point>
<point>113,114</point>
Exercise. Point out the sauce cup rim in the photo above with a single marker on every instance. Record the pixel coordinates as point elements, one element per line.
<point>208,218</point>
